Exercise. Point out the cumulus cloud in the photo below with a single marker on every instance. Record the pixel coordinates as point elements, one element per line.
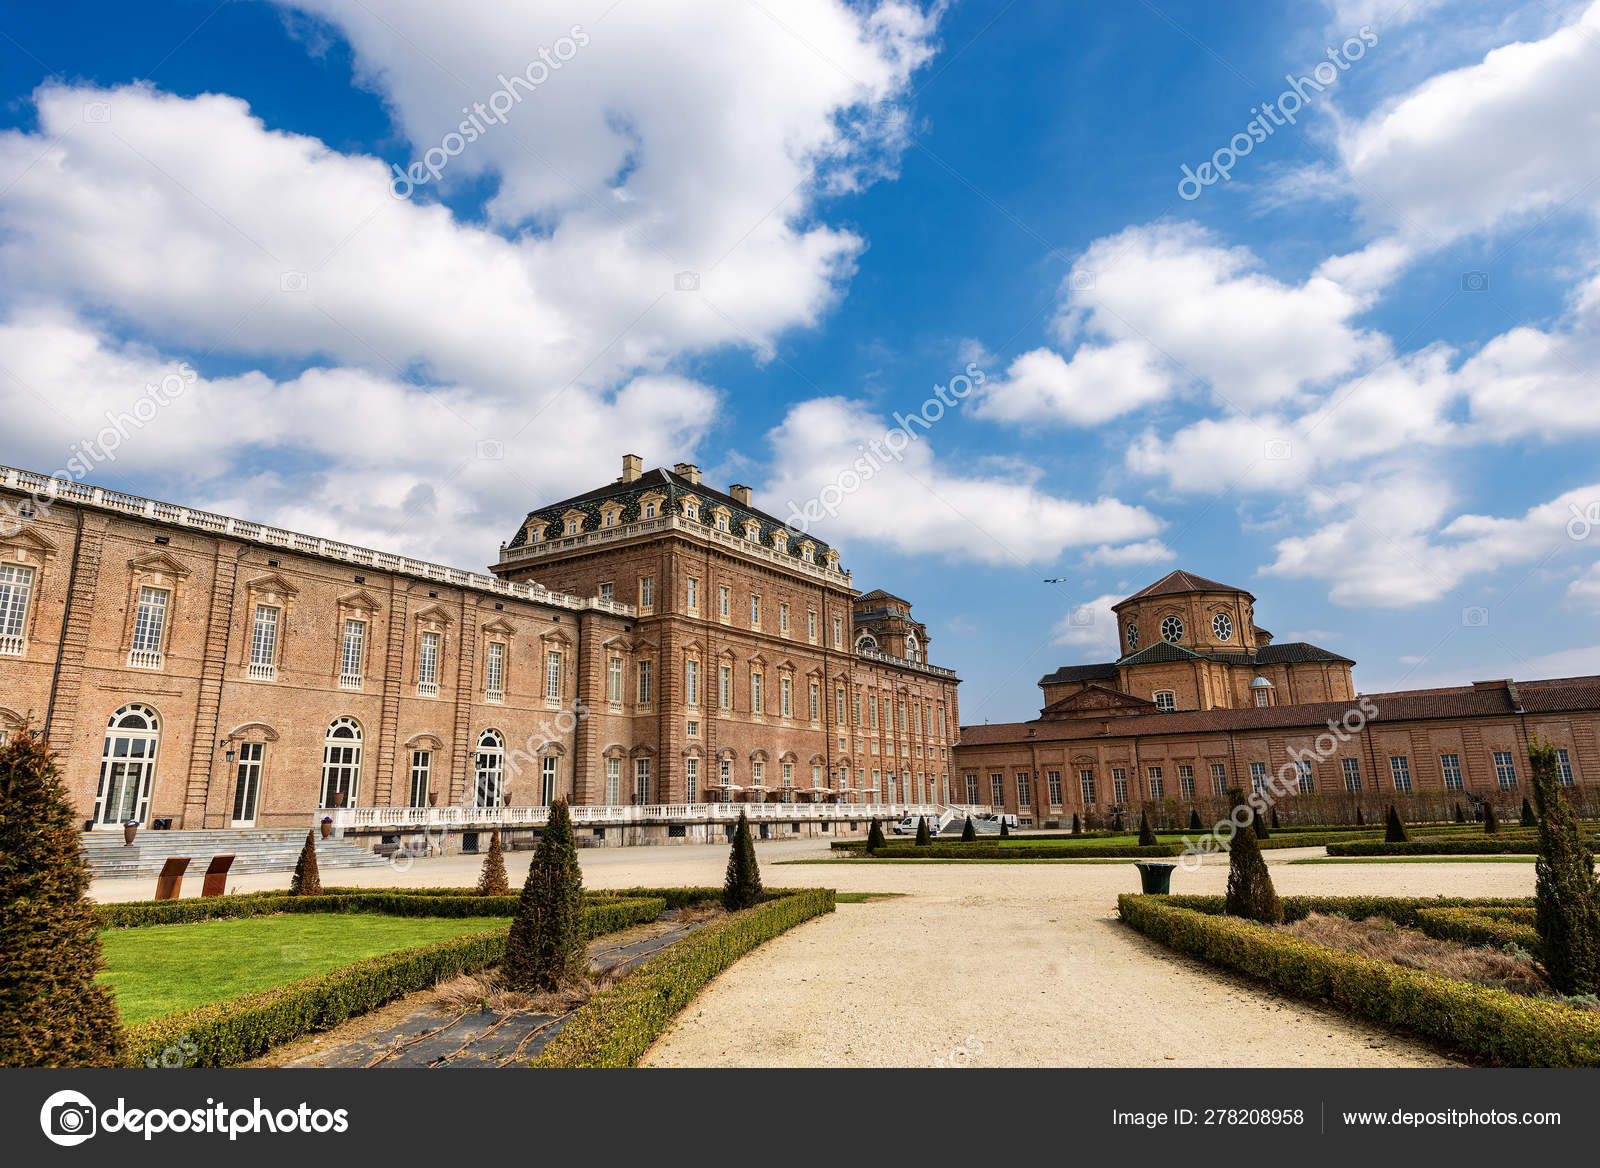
<point>1148,551</point>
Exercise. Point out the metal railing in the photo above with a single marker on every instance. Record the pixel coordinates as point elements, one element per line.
<point>401,818</point>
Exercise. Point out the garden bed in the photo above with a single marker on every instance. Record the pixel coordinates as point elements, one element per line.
<point>1488,1024</point>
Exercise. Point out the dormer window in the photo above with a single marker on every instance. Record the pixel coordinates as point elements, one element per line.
<point>752,532</point>
<point>1166,700</point>
<point>572,527</point>
<point>611,518</point>
<point>649,510</point>
<point>913,649</point>
<point>866,643</point>
<point>693,511</point>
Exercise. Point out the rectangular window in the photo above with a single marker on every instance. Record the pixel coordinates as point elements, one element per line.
<point>16,586</point>
<point>1400,771</point>
<point>613,782</point>
<point>428,666</point>
<point>1024,789</point>
<point>1352,774</point>
<point>247,785</point>
<point>755,611</point>
<point>692,595</point>
<point>1563,768</point>
<point>788,780</point>
<point>552,676</point>
<point>1086,785</point>
<point>1053,780</point>
<point>1166,701</point>
<point>724,687</point>
<point>838,633</point>
<point>1302,772</point>
<point>1119,784</point>
<point>641,780</point>
<point>646,682</point>
<point>1219,779</point>
<point>614,680</point>
<point>811,627</point>
<point>691,682</point>
<point>691,779</point>
<point>608,591</point>
<point>1450,768</point>
<point>838,704</point>
<point>647,591</point>
<point>494,673</point>
<point>872,711</point>
<point>757,705</point>
<point>855,708</point>
<point>547,779</point>
<point>786,696</point>
<point>972,790</point>
<point>149,628</point>
<point>353,656</point>
<point>1505,769</point>
<point>1258,777</point>
<point>816,699</point>
<point>1185,781</point>
<point>783,619</point>
<point>264,644</point>
<point>997,790</point>
<point>724,599</point>
<point>941,721</point>
<point>902,708</point>
<point>421,776</point>
<point>1158,784</point>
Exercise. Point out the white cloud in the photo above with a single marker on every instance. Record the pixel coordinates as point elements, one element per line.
<point>1100,382</point>
<point>1585,590</point>
<point>1089,625</point>
<point>828,450</point>
<point>1149,551</point>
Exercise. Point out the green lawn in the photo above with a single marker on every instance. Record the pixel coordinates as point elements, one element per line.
<point>163,968</point>
<point>849,859</point>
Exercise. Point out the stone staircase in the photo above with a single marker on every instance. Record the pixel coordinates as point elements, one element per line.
<point>253,849</point>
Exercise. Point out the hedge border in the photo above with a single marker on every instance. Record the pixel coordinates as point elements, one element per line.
<point>1480,846</point>
<point>957,851</point>
<point>1490,1024</point>
<point>616,1026</point>
<point>226,1033</point>
<point>1496,928</point>
<point>1402,910</point>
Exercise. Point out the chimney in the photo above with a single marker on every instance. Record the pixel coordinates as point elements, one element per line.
<point>687,470</point>
<point>632,467</point>
<point>740,493</point>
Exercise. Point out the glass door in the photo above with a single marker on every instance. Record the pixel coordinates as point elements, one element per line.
<point>247,784</point>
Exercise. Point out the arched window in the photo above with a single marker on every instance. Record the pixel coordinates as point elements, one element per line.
<point>341,764</point>
<point>489,770</point>
<point>867,643</point>
<point>913,648</point>
<point>127,766</point>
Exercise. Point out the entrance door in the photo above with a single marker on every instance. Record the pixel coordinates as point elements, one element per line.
<point>247,784</point>
<point>127,767</point>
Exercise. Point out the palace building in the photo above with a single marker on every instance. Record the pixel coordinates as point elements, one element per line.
<point>1203,700</point>
<point>649,650</point>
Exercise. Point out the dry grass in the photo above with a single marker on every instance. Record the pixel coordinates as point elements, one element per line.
<point>1386,941</point>
<point>484,991</point>
<point>704,910</point>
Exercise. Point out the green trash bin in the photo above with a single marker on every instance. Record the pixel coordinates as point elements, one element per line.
<point>1156,878</point>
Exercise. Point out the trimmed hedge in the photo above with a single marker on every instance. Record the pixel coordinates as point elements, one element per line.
<point>1495,928</point>
<point>224,1034</point>
<point>1402,910</point>
<point>616,1026</point>
<point>1476,846</point>
<point>1498,1027</point>
<point>960,851</point>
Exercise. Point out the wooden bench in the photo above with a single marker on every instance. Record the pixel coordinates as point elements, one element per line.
<point>170,882</point>
<point>216,876</point>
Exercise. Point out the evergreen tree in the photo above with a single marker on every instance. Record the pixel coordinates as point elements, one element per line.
<point>875,838</point>
<point>1394,830</point>
<point>1491,821</point>
<point>492,879</point>
<point>1250,891</point>
<point>1077,824</point>
<point>1461,814</point>
<point>1005,829</point>
<point>741,888</point>
<point>969,831</point>
<point>1274,816</point>
<point>1147,837</point>
<point>1566,895</point>
<point>1195,823</point>
<point>307,881</point>
<point>547,945</point>
<point>1261,829</point>
<point>1361,820</point>
<point>923,838</point>
<point>1528,817</point>
<point>52,1012</point>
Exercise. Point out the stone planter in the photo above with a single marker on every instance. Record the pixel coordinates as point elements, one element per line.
<point>129,830</point>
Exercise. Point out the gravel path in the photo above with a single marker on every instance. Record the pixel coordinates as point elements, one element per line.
<point>981,964</point>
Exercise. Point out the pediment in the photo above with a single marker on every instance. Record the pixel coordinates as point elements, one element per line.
<point>434,614</point>
<point>158,564</point>
<point>360,600</point>
<point>27,543</point>
<point>500,625</point>
<point>271,584</point>
<point>1095,699</point>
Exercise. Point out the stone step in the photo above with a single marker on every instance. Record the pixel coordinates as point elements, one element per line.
<point>260,850</point>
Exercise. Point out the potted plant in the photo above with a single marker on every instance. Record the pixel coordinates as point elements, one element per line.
<point>327,826</point>
<point>130,828</point>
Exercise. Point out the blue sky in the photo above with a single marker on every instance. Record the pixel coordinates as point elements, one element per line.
<point>1355,378</point>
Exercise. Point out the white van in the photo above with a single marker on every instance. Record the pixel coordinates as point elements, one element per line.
<point>908,825</point>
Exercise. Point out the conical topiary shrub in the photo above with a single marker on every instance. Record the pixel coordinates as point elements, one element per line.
<point>1461,814</point>
<point>1261,829</point>
<point>1250,891</point>
<point>1361,820</point>
<point>306,881</point>
<point>1394,831</point>
<point>1147,837</point>
<point>1005,829</point>
<point>1274,816</point>
<point>741,888</point>
<point>1195,823</point>
<point>52,1012</point>
<point>492,879</point>
<point>1566,894</point>
<point>923,838</point>
<point>1077,824</point>
<point>875,838</point>
<point>1529,819</point>
<point>1491,821</point>
<point>969,831</point>
<point>547,946</point>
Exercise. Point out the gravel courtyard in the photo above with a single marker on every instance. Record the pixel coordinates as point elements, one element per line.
<point>980,964</point>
